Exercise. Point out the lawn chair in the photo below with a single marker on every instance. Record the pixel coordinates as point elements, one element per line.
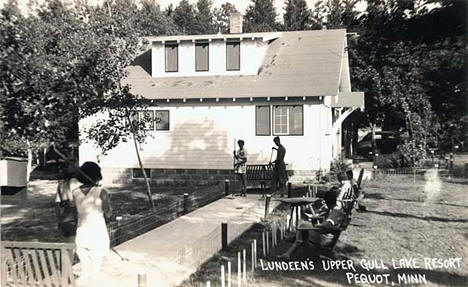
<point>349,203</point>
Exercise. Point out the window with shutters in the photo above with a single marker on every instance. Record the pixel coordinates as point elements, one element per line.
<point>288,120</point>
<point>172,57</point>
<point>233,55</point>
<point>262,121</point>
<point>201,56</point>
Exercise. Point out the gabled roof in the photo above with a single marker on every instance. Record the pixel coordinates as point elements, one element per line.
<point>297,64</point>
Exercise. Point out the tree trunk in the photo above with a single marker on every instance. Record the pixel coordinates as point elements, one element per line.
<point>148,187</point>
<point>373,143</point>
<point>135,142</point>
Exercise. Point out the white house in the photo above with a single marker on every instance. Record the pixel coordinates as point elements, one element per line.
<point>210,90</point>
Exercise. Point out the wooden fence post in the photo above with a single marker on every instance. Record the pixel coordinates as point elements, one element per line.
<point>466,171</point>
<point>226,187</point>
<point>223,280</point>
<point>289,190</point>
<point>224,236</point>
<point>253,258</point>
<point>142,280</point>
<point>255,253</point>
<point>244,265</point>
<point>267,205</point>
<point>185,203</point>
<point>263,244</point>
<point>229,274</point>
<point>239,278</point>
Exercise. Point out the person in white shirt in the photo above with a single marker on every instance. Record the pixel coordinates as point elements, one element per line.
<point>92,240</point>
<point>240,166</point>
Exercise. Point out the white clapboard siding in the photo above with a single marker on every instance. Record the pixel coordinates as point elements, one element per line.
<point>202,137</point>
<point>252,53</point>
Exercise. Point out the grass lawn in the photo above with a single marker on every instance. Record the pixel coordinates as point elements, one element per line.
<point>403,222</point>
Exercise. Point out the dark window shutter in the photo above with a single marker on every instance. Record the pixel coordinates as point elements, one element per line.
<point>233,56</point>
<point>162,120</point>
<point>262,121</point>
<point>172,57</point>
<point>201,57</point>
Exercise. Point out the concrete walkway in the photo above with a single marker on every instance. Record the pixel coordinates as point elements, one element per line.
<point>170,253</point>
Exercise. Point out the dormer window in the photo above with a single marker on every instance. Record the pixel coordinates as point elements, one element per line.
<point>172,57</point>
<point>233,55</point>
<point>201,56</point>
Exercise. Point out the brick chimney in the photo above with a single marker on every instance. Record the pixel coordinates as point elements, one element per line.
<point>235,23</point>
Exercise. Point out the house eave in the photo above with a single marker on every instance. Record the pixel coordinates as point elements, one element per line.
<point>265,37</point>
<point>348,100</point>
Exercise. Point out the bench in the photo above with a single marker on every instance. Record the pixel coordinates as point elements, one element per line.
<point>37,264</point>
<point>260,173</point>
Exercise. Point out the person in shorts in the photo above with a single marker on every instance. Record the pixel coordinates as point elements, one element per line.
<point>280,176</point>
<point>240,166</point>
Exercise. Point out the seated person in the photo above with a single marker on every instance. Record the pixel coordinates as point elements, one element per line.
<point>333,199</point>
<point>358,193</point>
<point>345,191</point>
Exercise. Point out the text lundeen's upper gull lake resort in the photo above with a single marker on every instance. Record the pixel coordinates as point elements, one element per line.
<point>355,277</point>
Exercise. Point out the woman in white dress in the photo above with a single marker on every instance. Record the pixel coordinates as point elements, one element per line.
<point>92,239</point>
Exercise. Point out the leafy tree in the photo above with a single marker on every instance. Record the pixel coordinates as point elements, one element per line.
<point>260,16</point>
<point>340,13</point>
<point>317,17</point>
<point>334,13</point>
<point>184,17</point>
<point>153,22</point>
<point>35,108</point>
<point>204,18</point>
<point>400,73</point>
<point>221,16</point>
<point>63,65</point>
<point>297,15</point>
<point>169,10</point>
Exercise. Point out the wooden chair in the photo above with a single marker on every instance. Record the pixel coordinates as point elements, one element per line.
<point>37,264</point>
<point>305,228</point>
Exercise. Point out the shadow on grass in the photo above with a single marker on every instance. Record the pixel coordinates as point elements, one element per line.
<point>374,196</point>
<point>379,196</point>
<point>426,218</point>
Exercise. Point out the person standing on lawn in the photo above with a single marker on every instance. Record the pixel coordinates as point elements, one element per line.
<point>241,166</point>
<point>92,239</point>
<point>280,176</point>
<point>65,209</point>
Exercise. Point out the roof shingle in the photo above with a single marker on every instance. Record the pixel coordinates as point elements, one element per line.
<point>297,64</point>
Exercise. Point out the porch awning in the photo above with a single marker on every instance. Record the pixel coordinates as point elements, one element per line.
<point>349,100</point>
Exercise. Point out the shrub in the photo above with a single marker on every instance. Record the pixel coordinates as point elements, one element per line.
<point>392,160</point>
<point>337,166</point>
